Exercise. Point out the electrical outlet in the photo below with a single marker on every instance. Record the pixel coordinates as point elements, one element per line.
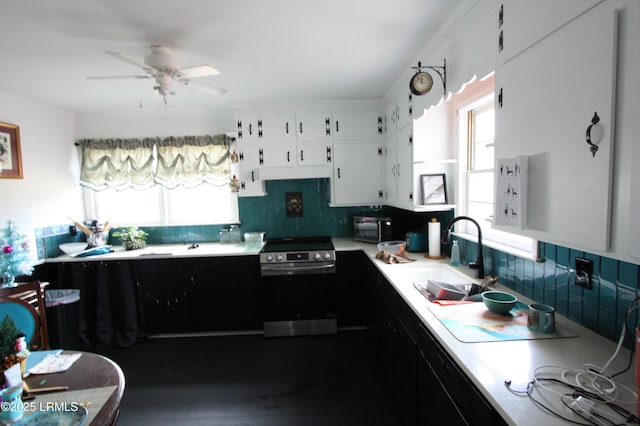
<point>584,272</point>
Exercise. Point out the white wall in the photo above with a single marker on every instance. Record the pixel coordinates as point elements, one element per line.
<point>48,191</point>
<point>148,124</point>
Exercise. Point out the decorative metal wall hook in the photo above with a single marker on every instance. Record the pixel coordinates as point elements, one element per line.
<point>441,70</point>
<point>592,147</point>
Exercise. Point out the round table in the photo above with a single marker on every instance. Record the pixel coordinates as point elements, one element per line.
<point>88,372</point>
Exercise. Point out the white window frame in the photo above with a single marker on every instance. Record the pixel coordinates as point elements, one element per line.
<point>474,97</point>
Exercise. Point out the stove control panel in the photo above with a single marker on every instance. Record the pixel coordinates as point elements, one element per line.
<point>304,256</point>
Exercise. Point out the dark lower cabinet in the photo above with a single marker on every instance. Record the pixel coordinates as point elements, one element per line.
<point>200,295</point>
<point>427,384</point>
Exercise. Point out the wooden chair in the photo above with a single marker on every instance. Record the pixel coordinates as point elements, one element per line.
<point>27,298</point>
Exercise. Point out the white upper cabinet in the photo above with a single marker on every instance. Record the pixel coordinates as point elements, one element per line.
<point>357,125</point>
<point>248,164</point>
<point>277,128</point>
<point>357,173</point>
<point>547,97</point>
<point>399,169</point>
<point>523,23</point>
<point>314,126</point>
<point>399,111</point>
<point>314,154</point>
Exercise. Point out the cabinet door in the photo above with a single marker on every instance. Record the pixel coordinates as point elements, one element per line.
<point>314,154</point>
<point>276,128</point>
<point>404,168</point>
<point>277,154</point>
<point>405,108</point>
<point>405,359</point>
<point>247,127</point>
<point>390,174</point>
<point>523,23</point>
<point>314,126</point>
<point>248,166</point>
<point>390,117</point>
<point>435,406</point>
<point>548,96</point>
<point>357,125</point>
<point>357,170</point>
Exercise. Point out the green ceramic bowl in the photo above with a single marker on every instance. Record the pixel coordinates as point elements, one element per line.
<point>499,301</point>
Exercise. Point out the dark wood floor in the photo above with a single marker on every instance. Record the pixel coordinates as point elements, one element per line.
<point>250,380</point>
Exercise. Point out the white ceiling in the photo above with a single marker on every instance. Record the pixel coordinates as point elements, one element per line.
<point>265,50</point>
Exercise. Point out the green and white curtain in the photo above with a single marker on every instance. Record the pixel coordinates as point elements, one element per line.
<point>140,164</point>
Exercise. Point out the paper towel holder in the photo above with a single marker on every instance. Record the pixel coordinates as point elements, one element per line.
<point>434,189</point>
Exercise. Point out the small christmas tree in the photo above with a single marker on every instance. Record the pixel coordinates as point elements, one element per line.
<point>14,254</point>
<point>8,333</point>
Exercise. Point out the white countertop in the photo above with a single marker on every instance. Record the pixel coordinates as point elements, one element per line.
<point>490,364</point>
<point>487,364</point>
<point>164,251</point>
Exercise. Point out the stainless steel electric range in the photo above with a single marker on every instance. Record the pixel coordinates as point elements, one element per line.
<point>298,286</point>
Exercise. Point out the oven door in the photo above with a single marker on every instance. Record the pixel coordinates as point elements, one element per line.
<point>299,300</point>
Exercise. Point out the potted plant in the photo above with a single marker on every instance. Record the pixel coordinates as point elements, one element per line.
<point>132,237</point>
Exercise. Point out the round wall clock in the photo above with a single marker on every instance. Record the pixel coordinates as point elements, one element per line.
<point>420,83</point>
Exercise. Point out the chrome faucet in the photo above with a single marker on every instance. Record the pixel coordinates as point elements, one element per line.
<point>478,265</point>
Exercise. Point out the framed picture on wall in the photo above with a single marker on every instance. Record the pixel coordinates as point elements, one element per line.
<point>10,159</point>
<point>434,189</point>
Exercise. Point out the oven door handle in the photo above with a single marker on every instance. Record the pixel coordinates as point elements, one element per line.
<point>299,269</point>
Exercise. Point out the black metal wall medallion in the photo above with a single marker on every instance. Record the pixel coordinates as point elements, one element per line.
<point>293,203</point>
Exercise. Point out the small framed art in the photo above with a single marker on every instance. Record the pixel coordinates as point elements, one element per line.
<point>10,159</point>
<point>434,189</point>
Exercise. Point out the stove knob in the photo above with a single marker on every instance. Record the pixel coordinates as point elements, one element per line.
<point>327,256</point>
<point>316,256</point>
<point>278,258</point>
<point>269,258</point>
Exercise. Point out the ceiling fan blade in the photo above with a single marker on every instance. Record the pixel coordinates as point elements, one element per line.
<point>198,71</point>
<point>132,61</point>
<point>119,77</point>
<point>204,87</point>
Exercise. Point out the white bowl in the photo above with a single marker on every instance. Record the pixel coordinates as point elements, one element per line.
<point>392,247</point>
<point>71,248</point>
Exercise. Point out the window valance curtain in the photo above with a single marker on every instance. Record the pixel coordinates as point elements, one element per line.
<point>193,160</point>
<point>117,163</point>
<point>133,163</point>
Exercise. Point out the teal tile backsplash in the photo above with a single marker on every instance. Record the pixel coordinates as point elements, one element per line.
<point>602,309</point>
<point>615,283</point>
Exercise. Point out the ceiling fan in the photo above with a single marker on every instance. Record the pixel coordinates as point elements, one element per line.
<point>163,67</point>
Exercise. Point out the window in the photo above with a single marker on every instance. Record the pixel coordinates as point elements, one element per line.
<point>204,204</point>
<point>476,131</point>
<point>159,182</point>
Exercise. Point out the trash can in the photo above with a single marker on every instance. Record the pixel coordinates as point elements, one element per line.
<point>62,312</point>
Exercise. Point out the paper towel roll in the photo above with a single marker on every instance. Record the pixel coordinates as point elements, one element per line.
<point>434,238</point>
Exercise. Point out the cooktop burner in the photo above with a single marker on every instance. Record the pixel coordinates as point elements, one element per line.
<point>297,244</point>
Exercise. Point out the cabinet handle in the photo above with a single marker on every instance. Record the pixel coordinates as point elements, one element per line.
<point>302,155</point>
<point>337,126</point>
<point>286,128</point>
<point>250,129</point>
<point>398,169</point>
<point>288,156</point>
<point>338,172</point>
<point>300,128</point>
<point>592,147</point>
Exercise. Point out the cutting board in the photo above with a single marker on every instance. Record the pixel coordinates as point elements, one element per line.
<point>473,322</point>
